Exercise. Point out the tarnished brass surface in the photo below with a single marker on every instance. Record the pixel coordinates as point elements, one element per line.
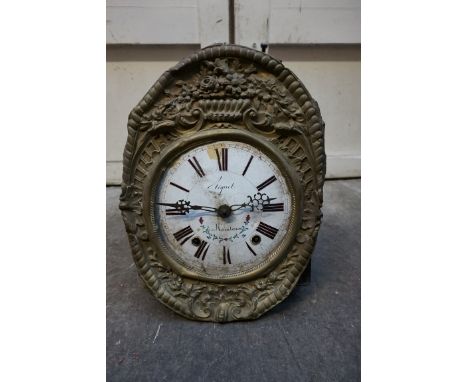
<point>224,92</point>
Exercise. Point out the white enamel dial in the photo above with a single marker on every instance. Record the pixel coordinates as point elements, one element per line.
<point>233,209</point>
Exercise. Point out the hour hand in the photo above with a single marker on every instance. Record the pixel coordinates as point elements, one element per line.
<point>173,205</point>
<point>204,208</point>
<point>183,207</point>
<point>179,208</point>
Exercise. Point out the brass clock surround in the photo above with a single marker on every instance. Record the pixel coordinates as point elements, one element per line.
<point>224,92</point>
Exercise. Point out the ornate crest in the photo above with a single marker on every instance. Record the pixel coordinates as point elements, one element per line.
<point>224,87</point>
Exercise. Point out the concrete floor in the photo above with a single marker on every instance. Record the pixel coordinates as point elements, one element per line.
<point>314,335</point>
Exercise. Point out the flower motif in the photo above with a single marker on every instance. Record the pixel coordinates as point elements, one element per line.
<point>221,66</point>
<point>209,83</point>
<point>260,284</point>
<point>236,79</point>
<point>237,83</point>
<point>272,277</point>
<point>176,282</point>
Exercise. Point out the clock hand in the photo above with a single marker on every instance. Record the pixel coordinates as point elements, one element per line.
<point>258,201</point>
<point>185,206</point>
<point>236,207</point>
<point>204,208</point>
<point>173,205</point>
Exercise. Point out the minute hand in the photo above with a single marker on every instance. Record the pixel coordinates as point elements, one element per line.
<point>254,203</point>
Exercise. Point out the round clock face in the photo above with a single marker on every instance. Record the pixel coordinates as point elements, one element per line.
<point>222,209</point>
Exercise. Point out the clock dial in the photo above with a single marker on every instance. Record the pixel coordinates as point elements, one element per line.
<point>223,209</point>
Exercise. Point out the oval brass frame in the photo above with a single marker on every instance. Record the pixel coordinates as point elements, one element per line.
<point>300,138</point>
<point>184,144</point>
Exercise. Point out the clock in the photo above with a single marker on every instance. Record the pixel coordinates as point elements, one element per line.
<point>222,206</point>
<point>222,184</point>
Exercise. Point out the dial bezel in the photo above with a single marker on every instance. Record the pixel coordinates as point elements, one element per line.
<point>173,151</point>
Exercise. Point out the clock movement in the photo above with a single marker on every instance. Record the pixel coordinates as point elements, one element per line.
<point>222,184</point>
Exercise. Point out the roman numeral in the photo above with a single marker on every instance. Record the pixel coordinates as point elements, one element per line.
<point>179,235</point>
<point>196,166</point>
<point>247,166</point>
<point>203,248</point>
<point>226,256</point>
<point>180,187</point>
<point>250,249</point>
<point>222,159</point>
<point>273,207</point>
<point>266,183</point>
<point>267,230</point>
